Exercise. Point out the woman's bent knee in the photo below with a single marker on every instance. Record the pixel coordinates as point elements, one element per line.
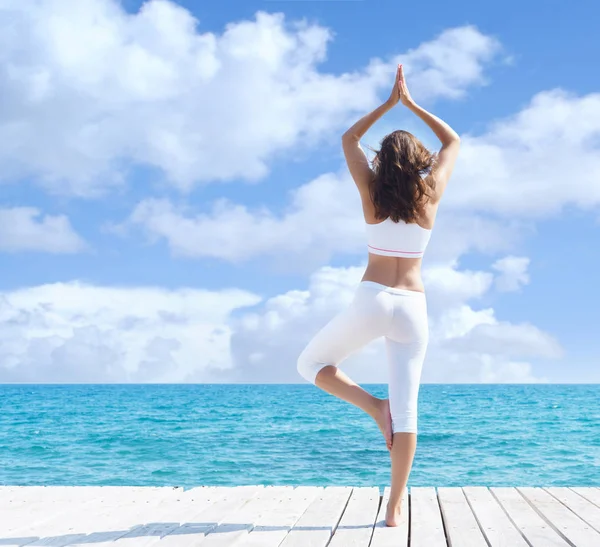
<point>308,368</point>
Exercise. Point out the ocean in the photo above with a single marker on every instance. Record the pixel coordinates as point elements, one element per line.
<point>228,435</point>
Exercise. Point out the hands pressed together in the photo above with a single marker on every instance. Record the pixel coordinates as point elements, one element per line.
<point>400,91</point>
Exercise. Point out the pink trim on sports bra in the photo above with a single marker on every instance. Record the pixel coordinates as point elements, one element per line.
<point>402,239</point>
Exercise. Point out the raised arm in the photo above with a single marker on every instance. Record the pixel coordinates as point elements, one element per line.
<point>356,132</point>
<point>357,162</point>
<point>447,136</point>
<point>356,159</point>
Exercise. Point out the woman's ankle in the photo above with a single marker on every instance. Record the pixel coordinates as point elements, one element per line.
<point>396,506</point>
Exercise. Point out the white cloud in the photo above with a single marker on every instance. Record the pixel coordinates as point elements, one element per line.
<point>535,163</point>
<point>450,287</point>
<point>90,89</point>
<point>324,216</point>
<point>445,67</point>
<point>466,344</point>
<point>500,338</point>
<point>323,219</point>
<point>25,229</point>
<point>72,332</point>
<point>267,342</point>
<point>513,270</point>
<point>475,368</point>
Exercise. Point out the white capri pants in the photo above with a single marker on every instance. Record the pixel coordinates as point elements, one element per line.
<point>377,310</point>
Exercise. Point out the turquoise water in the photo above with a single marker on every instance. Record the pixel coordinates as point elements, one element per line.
<point>226,435</point>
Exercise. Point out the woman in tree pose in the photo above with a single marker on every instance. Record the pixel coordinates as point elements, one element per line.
<point>400,196</point>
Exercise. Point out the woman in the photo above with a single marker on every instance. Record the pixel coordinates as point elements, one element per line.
<point>400,198</point>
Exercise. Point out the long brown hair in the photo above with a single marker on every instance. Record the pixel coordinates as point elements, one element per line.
<point>401,186</point>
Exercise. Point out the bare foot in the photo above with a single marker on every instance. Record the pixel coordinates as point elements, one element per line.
<point>384,421</point>
<point>392,515</point>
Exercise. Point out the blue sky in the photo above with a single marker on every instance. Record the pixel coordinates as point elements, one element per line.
<point>139,138</point>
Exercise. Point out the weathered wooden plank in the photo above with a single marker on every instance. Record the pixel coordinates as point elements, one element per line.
<point>426,525</point>
<point>11,495</point>
<point>230,501</point>
<point>272,527</point>
<point>108,519</point>
<point>535,529</point>
<point>461,526</point>
<point>237,525</point>
<point>589,493</point>
<point>57,517</point>
<point>356,525</point>
<point>561,519</point>
<point>316,525</point>
<point>496,526</point>
<point>33,494</point>
<point>387,536</point>
<point>158,521</point>
<point>584,509</point>
<point>25,497</point>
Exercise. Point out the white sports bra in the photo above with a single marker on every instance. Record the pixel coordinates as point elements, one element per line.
<point>389,238</point>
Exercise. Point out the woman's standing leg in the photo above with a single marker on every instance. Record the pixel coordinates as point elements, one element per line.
<point>406,353</point>
<point>367,318</point>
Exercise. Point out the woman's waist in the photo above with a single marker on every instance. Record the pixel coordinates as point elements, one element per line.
<point>393,273</point>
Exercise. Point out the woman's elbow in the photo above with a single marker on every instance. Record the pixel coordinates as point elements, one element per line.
<point>452,140</point>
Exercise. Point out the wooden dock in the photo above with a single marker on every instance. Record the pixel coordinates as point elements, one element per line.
<point>303,516</point>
